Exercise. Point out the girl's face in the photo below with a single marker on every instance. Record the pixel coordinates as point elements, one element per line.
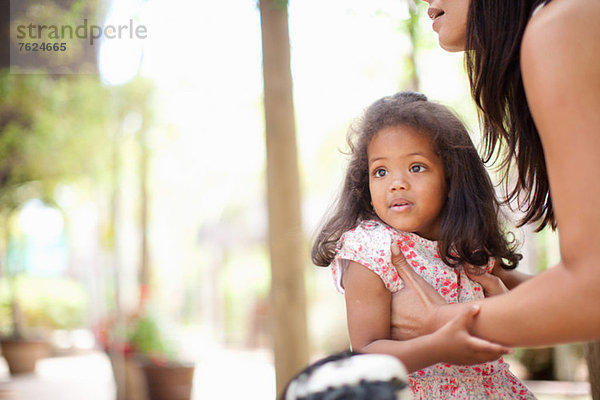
<point>450,22</point>
<point>406,181</point>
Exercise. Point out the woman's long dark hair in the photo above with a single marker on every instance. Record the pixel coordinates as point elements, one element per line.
<point>470,230</point>
<point>494,34</point>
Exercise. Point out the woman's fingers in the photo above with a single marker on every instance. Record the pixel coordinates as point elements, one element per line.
<point>492,285</point>
<point>473,270</point>
<point>488,350</point>
<point>415,307</point>
<point>426,293</point>
<point>465,317</point>
<point>404,270</point>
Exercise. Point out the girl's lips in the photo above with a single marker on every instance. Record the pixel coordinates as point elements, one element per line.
<point>400,208</point>
<point>400,205</point>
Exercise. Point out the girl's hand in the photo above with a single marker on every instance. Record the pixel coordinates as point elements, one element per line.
<point>457,346</point>
<point>414,308</point>
<point>491,284</point>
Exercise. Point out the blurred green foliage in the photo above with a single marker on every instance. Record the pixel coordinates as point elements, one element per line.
<point>149,338</point>
<point>51,131</point>
<point>56,130</point>
<point>45,304</point>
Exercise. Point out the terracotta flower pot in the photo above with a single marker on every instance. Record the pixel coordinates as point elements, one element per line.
<point>22,355</point>
<point>169,382</point>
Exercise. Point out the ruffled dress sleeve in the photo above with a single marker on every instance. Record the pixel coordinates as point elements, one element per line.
<point>369,245</point>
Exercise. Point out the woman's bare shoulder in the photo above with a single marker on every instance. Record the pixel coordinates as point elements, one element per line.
<point>560,51</point>
<point>560,23</point>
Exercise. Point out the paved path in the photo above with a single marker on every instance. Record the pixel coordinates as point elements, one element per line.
<point>82,377</point>
<point>221,374</point>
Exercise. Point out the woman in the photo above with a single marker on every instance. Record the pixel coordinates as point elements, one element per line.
<point>534,70</point>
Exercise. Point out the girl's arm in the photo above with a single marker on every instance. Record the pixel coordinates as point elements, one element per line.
<point>368,311</point>
<point>560,62</point>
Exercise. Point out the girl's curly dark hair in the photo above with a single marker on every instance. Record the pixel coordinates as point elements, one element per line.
<point>470,230</point>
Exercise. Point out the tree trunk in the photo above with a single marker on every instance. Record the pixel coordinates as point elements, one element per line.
<point>592,356</point>
<point>11,273</point>
<point>412,29</point>
<point>144,272</point>
<point>287,297</point>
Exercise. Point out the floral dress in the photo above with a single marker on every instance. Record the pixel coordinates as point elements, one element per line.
<point>369,244</point>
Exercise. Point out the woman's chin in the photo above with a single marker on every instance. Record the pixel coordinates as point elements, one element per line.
<point>452,47</point>
<point>451,41</point>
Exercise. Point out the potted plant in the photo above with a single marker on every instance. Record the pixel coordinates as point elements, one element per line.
<point>22,345</point>
<point>22,351</point>
<point>111,335</point>
<point>42,306</point>
<point>167,377</point>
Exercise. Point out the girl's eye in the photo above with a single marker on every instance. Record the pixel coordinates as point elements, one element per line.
<point>380,173</point>
<point>417,168</point>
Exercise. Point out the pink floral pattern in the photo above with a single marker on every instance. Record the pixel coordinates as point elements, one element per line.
<point>369,244</point>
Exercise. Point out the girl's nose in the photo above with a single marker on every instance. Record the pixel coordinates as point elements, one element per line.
<point>399,183</point>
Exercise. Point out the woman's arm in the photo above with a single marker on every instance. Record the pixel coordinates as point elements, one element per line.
<point>529,315</point>
<point>368,312</point>
<point>553,307</point>
<point>419,310</point>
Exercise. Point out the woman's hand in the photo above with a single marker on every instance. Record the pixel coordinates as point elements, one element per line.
<point>457,346</point>
<point>414,308</point>
<point>491,284</point>
<point>417,311</point>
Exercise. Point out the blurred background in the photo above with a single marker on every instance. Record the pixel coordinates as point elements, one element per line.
<point>149,201</point>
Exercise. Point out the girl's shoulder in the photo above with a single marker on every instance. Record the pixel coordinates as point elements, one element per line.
<point>378,233</point>
<point>369,234</point>
<point>374,238</point>
<point>368,228</point>
<point>368,244</point>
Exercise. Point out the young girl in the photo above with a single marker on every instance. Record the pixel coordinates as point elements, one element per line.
<point>416,181</point>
